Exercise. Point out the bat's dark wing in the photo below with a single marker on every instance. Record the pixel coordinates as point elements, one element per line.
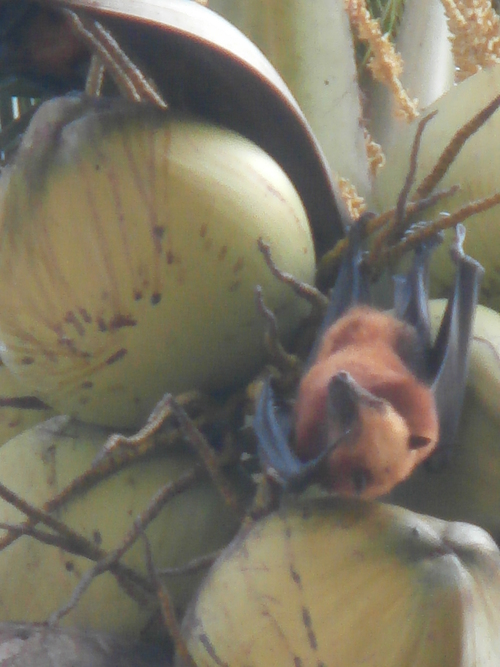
<point>351,287</point>
<point>448,358</point>
<point>277,459</point>
<point>272,429</point>
<point>411,292</point>
<point>451,351</point>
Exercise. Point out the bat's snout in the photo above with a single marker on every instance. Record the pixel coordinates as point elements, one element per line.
<point>374,450</point>
<point>346,399</point>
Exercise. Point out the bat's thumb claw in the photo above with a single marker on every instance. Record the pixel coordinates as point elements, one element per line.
<point>458,254</point>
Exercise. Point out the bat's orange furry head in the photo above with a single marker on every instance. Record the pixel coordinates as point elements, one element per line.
<point>361,382</point>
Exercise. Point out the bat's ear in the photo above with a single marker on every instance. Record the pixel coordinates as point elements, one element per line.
<point>418,441</point>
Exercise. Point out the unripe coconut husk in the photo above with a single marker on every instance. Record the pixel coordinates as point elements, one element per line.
<point>474,170</point>
<point>343,583</point>
<point>37,579</point>
<point>129,257</point>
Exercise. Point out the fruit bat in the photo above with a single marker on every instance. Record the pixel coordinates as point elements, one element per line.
<point>377,396</point>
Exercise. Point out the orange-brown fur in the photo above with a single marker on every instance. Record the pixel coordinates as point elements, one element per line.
<point>365,343</point>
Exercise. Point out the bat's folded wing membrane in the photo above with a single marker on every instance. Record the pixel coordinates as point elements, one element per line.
<point>351,288</point>
<point>448,357</point>
<point>277,459</point>
<point>411,292</point>
<point>450,353</point>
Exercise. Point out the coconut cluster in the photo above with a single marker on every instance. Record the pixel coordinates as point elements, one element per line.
<point>130,248</point>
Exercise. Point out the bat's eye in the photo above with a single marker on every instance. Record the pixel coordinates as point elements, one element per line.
<point>360,479</point>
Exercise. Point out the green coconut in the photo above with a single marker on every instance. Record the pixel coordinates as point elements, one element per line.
<point>129,258</point>
<point>37,579</point>
<point>341,583</point>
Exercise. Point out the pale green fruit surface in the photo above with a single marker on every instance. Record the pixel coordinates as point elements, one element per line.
<point>18,410</point>
<point>37,579</point>
<point>129,259</point>
<point>350,584</point>
<point>468,488</point>
<point>484,370</point>
<point>475,170</point>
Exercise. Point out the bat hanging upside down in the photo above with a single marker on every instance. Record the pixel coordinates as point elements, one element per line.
<point>377,397</point>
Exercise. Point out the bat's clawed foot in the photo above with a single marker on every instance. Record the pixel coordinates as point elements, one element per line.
<point>458,254</point>
<point>457,247</point>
